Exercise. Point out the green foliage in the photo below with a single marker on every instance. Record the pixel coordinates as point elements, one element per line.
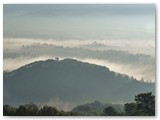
<point>26,110</point>
<point>144,105</point>
<point>72,79</point>
<point>110,111</point>
<point>48,111</point>
<point>95,108</point>
<point>8,110</point>
<point>89,109</point>
<point>33,110</point>
<point>130,109</point>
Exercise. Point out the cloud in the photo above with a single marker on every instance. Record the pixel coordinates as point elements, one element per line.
<point>111,54</point>
<point>145,72</point>
<point>14,63</point>
<point>132,46</point>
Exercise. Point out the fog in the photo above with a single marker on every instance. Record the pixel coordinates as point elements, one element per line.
<point>121,37</point>
<point>136,64</point>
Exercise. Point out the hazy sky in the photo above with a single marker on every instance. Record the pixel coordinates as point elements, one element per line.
<point>98,27</point>
<point>80,21</point>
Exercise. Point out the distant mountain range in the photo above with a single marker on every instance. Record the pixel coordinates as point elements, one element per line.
<point>70,81</point>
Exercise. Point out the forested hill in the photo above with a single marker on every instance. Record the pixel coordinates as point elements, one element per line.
<point>69,81</point>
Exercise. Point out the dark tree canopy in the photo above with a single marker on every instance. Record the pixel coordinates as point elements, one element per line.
<point>48,111</point>
<point>8,110</point>
<point>144,105</point>
<point>26,110</point>
<point>130,109</point>
<point>33,110</point>
<point>110,111</point>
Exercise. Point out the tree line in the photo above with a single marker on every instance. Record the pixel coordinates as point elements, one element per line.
<point>33,110</point>
<point>144,105</point>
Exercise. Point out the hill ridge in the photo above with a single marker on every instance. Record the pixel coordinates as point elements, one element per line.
<point>69,81</point>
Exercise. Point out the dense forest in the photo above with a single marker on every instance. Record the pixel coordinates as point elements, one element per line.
<point>144,105</point>
<point>71,81</point>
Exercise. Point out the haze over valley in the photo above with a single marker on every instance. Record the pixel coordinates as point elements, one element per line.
<point>71,55</point>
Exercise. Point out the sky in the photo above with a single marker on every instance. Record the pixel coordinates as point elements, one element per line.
<point>105,34</point>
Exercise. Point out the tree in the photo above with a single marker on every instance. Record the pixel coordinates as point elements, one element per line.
<point>110,111</point>
<point>48,111</point>
<point>27,110</point>
<point>144,105</point>
<point>8,110</point>
<point>130,109</point>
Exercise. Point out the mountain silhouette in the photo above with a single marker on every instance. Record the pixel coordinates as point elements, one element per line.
<point>69,81</point>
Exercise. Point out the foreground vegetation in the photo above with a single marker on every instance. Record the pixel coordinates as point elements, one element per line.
<point>144,105</point>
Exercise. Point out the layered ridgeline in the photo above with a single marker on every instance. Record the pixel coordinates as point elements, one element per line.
<point>69,81</point>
